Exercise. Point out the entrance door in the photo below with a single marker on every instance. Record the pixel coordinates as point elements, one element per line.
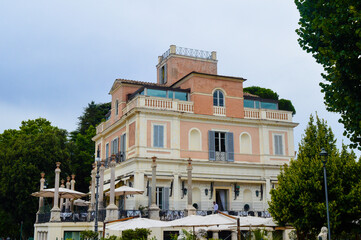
<point>222,199</point>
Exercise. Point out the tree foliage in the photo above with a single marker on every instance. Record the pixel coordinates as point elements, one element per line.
<point>299,199</point>
<point>93,114</point>
<point>24,153</point>
<point>81,146</point>
<point>331,31</point>
<point>266,93</point>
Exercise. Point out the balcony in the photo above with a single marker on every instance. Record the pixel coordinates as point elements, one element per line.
<point>159,103</point>
<point>267,114</point>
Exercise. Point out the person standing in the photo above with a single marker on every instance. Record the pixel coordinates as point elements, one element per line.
<point>215,207</point>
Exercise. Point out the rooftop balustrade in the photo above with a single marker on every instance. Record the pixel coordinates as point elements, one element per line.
<point>267,114</point>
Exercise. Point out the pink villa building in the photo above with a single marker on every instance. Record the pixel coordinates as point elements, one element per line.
<point>237,141</point>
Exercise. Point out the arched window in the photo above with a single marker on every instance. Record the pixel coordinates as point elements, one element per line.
<point>246,145</point>
<point>218,98</point>
<point>195,139</point>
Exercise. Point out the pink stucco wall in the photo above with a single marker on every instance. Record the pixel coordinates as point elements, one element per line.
<point>178,67</point>
<point>186,126</point>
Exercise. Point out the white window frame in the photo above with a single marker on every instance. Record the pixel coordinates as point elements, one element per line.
<point>224,97</point>
<point>164,134</point>
<point>274,144</point>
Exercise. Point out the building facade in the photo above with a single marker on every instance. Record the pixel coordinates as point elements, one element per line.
<point>237,141</point>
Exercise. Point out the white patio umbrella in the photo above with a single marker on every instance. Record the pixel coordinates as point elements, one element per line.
<point>202,221</point>
<point>125,190</point>
<point>256,222</point>
<point>136,223</point>
<point>81,203</point>
<point>63,193</point>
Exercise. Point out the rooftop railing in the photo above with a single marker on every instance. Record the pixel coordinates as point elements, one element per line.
<point>189,52</point>
<point>267,114</point>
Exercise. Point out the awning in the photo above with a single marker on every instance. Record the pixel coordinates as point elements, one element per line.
<point>106,186</point>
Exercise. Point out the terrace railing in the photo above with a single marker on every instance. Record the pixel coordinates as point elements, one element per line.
<point>119,157</point>
<point>159,103</point>
<point>267,114</point>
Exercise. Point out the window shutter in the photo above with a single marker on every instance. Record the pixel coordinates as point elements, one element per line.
<point>229,147</point>
<point>280,145</point>
<point>111,147</point>
<point>155,136</point>
<point>161,136</point>
<point>165,74</point>
<point>166,198</point>
<point>211,145</point>
<point>107,150</point>
<point>149,196</point>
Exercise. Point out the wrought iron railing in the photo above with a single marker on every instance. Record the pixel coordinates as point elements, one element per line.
<point>169,215</point>
<point>188,52</point>
<point>131,213</point>
<point>43,217</point>
<point>193,53</point>
<point>119,157</point>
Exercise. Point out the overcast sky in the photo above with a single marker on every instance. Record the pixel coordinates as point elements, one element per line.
<point>57,56</point>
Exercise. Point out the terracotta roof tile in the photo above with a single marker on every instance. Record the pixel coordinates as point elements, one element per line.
<point>249,94</point>
<point>121,80</point>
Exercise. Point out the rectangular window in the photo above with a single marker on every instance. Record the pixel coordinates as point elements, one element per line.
<point>107,151</point>
<point>162,198</point>
<point>181,96</point>
<point>248,103</point>
<point>221,146</point>
<point>220,141</point>
<point>157,93</point>
<point>269,105</point>
<point>115,146</point>
<point>278,144</point>
<point>158,136</point>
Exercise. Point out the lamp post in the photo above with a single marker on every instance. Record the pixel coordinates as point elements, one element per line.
<point>97,160</point>
<point>324,155</point>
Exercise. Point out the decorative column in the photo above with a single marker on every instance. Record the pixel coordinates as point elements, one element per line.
<point>67,203</point>
<point>190,210</point>
<point>215,235</point>
<point>62,199</point>
<point>92,193</point>
<point>55,211</point>
<point>234,235</point>
<point>267,192</point>
<point>154,209</point>
<point>72,187</point>
<point>41,199</point>
<point>112,209</point>
<point>176,190</point>
<point>101,186</point>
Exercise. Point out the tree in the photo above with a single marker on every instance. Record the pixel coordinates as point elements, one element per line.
<point>266,93</point>
<point>93,114</point>
<point>81,146</point>
<point>299,199</point>
<point>331,31</point>
<point>24,153</point>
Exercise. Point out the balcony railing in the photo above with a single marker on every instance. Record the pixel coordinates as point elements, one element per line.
<point>119,157</point>
<point>159,103</point>
<point>267,114</point>
<point>219,111</point>
<point>164,215</point>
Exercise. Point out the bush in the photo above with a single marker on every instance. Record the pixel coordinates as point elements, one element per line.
<point>138,233</point>
<point>88,235</point>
